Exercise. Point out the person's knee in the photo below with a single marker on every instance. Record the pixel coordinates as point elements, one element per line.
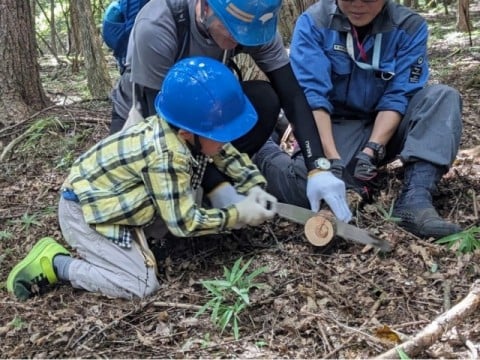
<point>271,155</point>
<point>150,287</point>
<point>444,93</point>
<point>144,285</point>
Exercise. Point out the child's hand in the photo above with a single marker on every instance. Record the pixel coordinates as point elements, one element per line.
<point>256,208</point>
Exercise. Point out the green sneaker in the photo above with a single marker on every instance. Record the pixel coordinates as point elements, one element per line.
<point>35,273</point>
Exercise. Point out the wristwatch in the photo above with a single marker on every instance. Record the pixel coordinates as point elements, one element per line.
<point>322,164</point>
<point>378,150</point>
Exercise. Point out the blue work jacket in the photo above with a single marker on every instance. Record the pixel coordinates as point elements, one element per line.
<point>334,81</point>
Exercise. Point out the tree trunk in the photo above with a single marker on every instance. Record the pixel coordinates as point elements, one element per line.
<point>98,79</point>
<point>74,40</point>
<point>53,30</point>
<point>291,10</point>
<point>21,91</point>
<point>463,15</point>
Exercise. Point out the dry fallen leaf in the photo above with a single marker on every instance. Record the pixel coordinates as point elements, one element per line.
<point>385,333</point>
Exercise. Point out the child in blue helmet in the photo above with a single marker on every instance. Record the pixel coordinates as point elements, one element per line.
<point>143,181</point>
<point>220,29</point>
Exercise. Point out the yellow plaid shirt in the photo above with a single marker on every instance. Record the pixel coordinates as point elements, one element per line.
<point>130,177</point>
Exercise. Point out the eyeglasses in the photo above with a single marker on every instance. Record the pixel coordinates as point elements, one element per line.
<point>364,1</point>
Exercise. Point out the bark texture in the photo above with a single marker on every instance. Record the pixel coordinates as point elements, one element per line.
<point>98,79</point>
<point>21,91</point>
<point>463,16</point>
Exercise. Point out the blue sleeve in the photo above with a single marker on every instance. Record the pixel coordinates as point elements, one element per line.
<point>313,76</point>
<point>411,70</point>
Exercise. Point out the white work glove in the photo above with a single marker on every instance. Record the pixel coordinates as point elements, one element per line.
<point>224,195</point>
<point>265,199</point>
<point>326,186</point>
<point>256,208</point>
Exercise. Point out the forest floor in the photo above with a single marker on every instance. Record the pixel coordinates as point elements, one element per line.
<point>348,301</point>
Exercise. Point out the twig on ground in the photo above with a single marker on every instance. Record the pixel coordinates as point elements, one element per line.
<point>475,206</point>
<point>29,118</point>
<point>371,314</point>
<point>272,233</point>
<point>70,108</point>
<point>100,331</point>
<point>455,206</point>
<point>425,338</point>
<point>358,331</point>
<point>471,152</point>
<point>375,285</point>
<point>14,142</point>
<point>410,323</point>
<point>326,343</point>
<point>473,350</point>
<point>447,304</point>
<point>455,52</point>
<point>176,305</point>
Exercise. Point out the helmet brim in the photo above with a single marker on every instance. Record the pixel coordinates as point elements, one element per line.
<point>252,34</point>
<point>231,131</point>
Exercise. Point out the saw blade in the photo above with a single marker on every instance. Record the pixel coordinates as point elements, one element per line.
<point>353,233</point>
<point>346,231</point>
<point>294,213</point>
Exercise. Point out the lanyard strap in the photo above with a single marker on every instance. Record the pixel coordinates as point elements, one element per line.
<point>376,53</point>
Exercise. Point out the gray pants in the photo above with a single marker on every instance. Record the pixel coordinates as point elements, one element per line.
<point>104,266</point>
<point>430,131</point>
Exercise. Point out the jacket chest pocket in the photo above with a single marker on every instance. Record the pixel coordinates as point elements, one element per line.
<point>341,71</point>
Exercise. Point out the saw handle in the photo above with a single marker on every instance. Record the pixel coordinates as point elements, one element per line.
<point>320,229</point>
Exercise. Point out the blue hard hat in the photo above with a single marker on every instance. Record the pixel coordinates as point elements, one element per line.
<point>201,95</point>
<point>251,22</point>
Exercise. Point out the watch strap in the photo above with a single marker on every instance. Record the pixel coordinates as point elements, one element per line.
<point>378,150</point>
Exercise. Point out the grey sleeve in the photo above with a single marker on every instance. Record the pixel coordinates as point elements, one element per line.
<point>153,45</point>
<point>271,56</point>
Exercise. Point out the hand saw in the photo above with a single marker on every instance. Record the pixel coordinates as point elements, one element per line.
<point>320,228</point>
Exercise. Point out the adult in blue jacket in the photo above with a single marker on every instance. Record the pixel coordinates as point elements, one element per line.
<point>363,67</point>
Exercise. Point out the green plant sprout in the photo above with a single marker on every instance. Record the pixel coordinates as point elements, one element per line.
<point>205,341</point>
<point>36,131</point>
<point>17,323</point>
<point>5,235</point>
<point>27,221</point>
<point>230,296</point>
<point>402,354</point>
<point>49,210</point>
<point>466,241</point>
<point>66,161</point>
<point>388,215</point>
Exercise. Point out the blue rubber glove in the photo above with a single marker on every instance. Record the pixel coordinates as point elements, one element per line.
<point>326,186</point>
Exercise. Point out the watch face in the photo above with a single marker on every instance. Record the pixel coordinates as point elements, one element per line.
<point>322,163</point>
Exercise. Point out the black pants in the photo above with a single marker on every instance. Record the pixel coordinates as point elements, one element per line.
<point>266,103</point>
